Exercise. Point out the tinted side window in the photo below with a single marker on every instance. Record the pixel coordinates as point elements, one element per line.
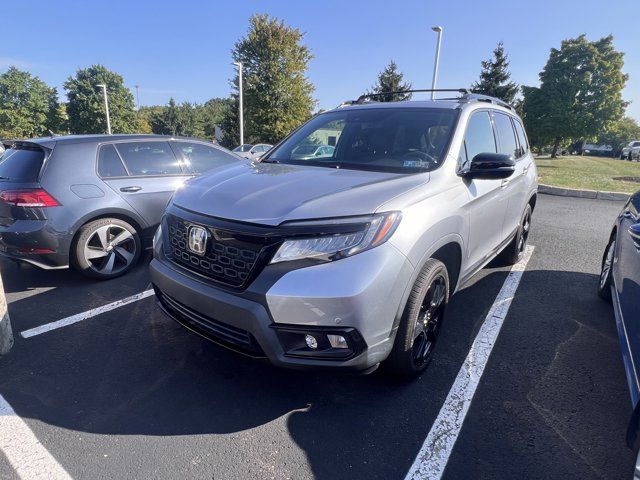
<point>202,157</point>
<point>149,158</point>
<point>506,135</point>
<point>21,164</point>
<point>109,163</point>
<point>522,137</point>
<point>478,138</point>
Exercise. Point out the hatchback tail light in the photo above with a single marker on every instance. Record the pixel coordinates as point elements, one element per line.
<point>33,197</point>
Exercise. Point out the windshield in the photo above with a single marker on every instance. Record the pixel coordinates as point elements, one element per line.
<point>243,148</point>
<point>400,140</point>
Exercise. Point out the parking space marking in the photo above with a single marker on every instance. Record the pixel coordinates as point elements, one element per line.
<point>25,453</point>
<point>79,317</point>
<point>436,449</point>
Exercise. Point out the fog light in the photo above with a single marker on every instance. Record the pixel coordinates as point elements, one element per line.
<point>312,343</point>
<point>337,341</point>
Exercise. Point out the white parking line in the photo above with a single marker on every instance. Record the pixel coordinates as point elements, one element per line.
<point>25,453</point>
<point>436,449</point>
<point>85,315</point>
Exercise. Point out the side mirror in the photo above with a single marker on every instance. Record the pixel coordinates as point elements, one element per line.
<point>491,166</point>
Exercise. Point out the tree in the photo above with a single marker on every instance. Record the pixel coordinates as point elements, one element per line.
<point>28,107</point>
<point>184,119</point>
<point>619,133</point>
<point>86,103</point>
<point>495,76</point>
<point>212,113</point>
<point>277,91</point>
<point>580,92</point>
<point>390,80</point>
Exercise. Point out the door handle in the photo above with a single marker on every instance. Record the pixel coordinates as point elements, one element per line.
<point>131,189</point>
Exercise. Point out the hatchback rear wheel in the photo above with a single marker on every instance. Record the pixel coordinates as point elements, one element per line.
<point>604,285</point>
<point>106,248</point>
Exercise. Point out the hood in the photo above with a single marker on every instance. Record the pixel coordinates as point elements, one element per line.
<point>269,194</point>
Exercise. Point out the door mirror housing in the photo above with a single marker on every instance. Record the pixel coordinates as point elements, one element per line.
<point>491,166</point>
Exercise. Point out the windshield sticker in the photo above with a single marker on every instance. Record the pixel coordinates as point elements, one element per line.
<point>416,164</point>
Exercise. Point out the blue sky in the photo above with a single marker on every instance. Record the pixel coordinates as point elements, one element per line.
<point>181,49</point>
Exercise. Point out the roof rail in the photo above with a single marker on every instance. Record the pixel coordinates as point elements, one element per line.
<point>465,96</point>
<point>478,97</point>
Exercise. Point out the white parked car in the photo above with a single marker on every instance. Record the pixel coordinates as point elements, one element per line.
<point>252,152</point>
<point>631,151</point>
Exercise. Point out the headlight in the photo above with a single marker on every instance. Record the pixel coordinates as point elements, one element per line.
<point>376,231</point>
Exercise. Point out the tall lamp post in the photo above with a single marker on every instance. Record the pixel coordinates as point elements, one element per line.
<point>137,98</point>
<point>106,106</point>
<point>239,65</point>
<point>437,60</point>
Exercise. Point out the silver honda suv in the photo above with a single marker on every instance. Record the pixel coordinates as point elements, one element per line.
<point>348,259</point>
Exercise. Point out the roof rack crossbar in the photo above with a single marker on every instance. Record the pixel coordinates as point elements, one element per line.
<point>362,98</point>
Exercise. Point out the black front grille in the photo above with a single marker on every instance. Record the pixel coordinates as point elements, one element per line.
<point>214,330</point>
<point>230,258</point>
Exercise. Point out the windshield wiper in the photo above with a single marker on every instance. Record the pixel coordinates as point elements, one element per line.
<point>4,178</point>
<point>269,160</point>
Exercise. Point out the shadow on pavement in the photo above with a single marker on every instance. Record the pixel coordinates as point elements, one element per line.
<point>134,372</point>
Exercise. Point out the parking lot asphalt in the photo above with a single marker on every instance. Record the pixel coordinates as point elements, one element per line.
<point>130,394</point>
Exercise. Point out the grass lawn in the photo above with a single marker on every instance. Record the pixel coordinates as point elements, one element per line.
<point>590,173</point>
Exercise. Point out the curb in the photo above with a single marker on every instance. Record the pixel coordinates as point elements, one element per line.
<point>592,194</point>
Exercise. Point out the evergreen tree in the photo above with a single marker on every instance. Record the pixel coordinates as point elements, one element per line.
<point>391,80</point>
<point>495,76</point>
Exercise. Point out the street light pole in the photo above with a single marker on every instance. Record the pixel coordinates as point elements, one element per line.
<point>137,98</point>
<point>106,106</point>
<point>239,65</point>
<point>437,60</point>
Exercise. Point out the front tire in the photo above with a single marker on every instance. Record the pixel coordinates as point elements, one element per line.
<point>420,324</point>
<point>106,248</point>
<point>606,272</point>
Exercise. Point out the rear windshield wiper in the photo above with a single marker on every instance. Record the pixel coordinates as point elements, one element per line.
<point>4,178</point>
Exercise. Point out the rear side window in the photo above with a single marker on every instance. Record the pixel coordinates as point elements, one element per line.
<point>522,137</point>
<point>478,138</point>
<point>21,164</point>
<point>203,157</point>
<point>506,135</point>
<point>149,158</point>
<point>109,163</point>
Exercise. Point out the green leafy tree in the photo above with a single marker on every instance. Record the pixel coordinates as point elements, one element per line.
<point>277,92</point>
<point>391,80</point>
<point>580,92</point>
<point>495,77</point>
<point>173,119</point>
<point>619,133</point>
<point>212,113</point>
<point>28,107</point>
<point>86,104</point>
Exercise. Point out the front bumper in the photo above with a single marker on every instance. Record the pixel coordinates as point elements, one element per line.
<point>358,298</point>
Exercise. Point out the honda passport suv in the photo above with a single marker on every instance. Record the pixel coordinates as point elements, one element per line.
<point>348,259</point>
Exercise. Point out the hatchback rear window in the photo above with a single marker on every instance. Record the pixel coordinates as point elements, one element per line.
<point>21,164</point>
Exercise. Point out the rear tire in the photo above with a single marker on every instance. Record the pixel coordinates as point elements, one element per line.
<point>606,272</point>
<point>105,248</point>
<point>515,250</point>
<point>420,324</point>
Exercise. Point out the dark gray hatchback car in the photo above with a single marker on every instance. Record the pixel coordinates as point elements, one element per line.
<point>93,201</point>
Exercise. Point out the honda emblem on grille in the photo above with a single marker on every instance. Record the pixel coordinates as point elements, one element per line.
<point>198,237</point>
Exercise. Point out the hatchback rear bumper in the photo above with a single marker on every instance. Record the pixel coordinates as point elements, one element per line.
<point>33,242</point>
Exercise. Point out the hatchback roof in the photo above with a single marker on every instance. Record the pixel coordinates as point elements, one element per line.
<point>68,139</point>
